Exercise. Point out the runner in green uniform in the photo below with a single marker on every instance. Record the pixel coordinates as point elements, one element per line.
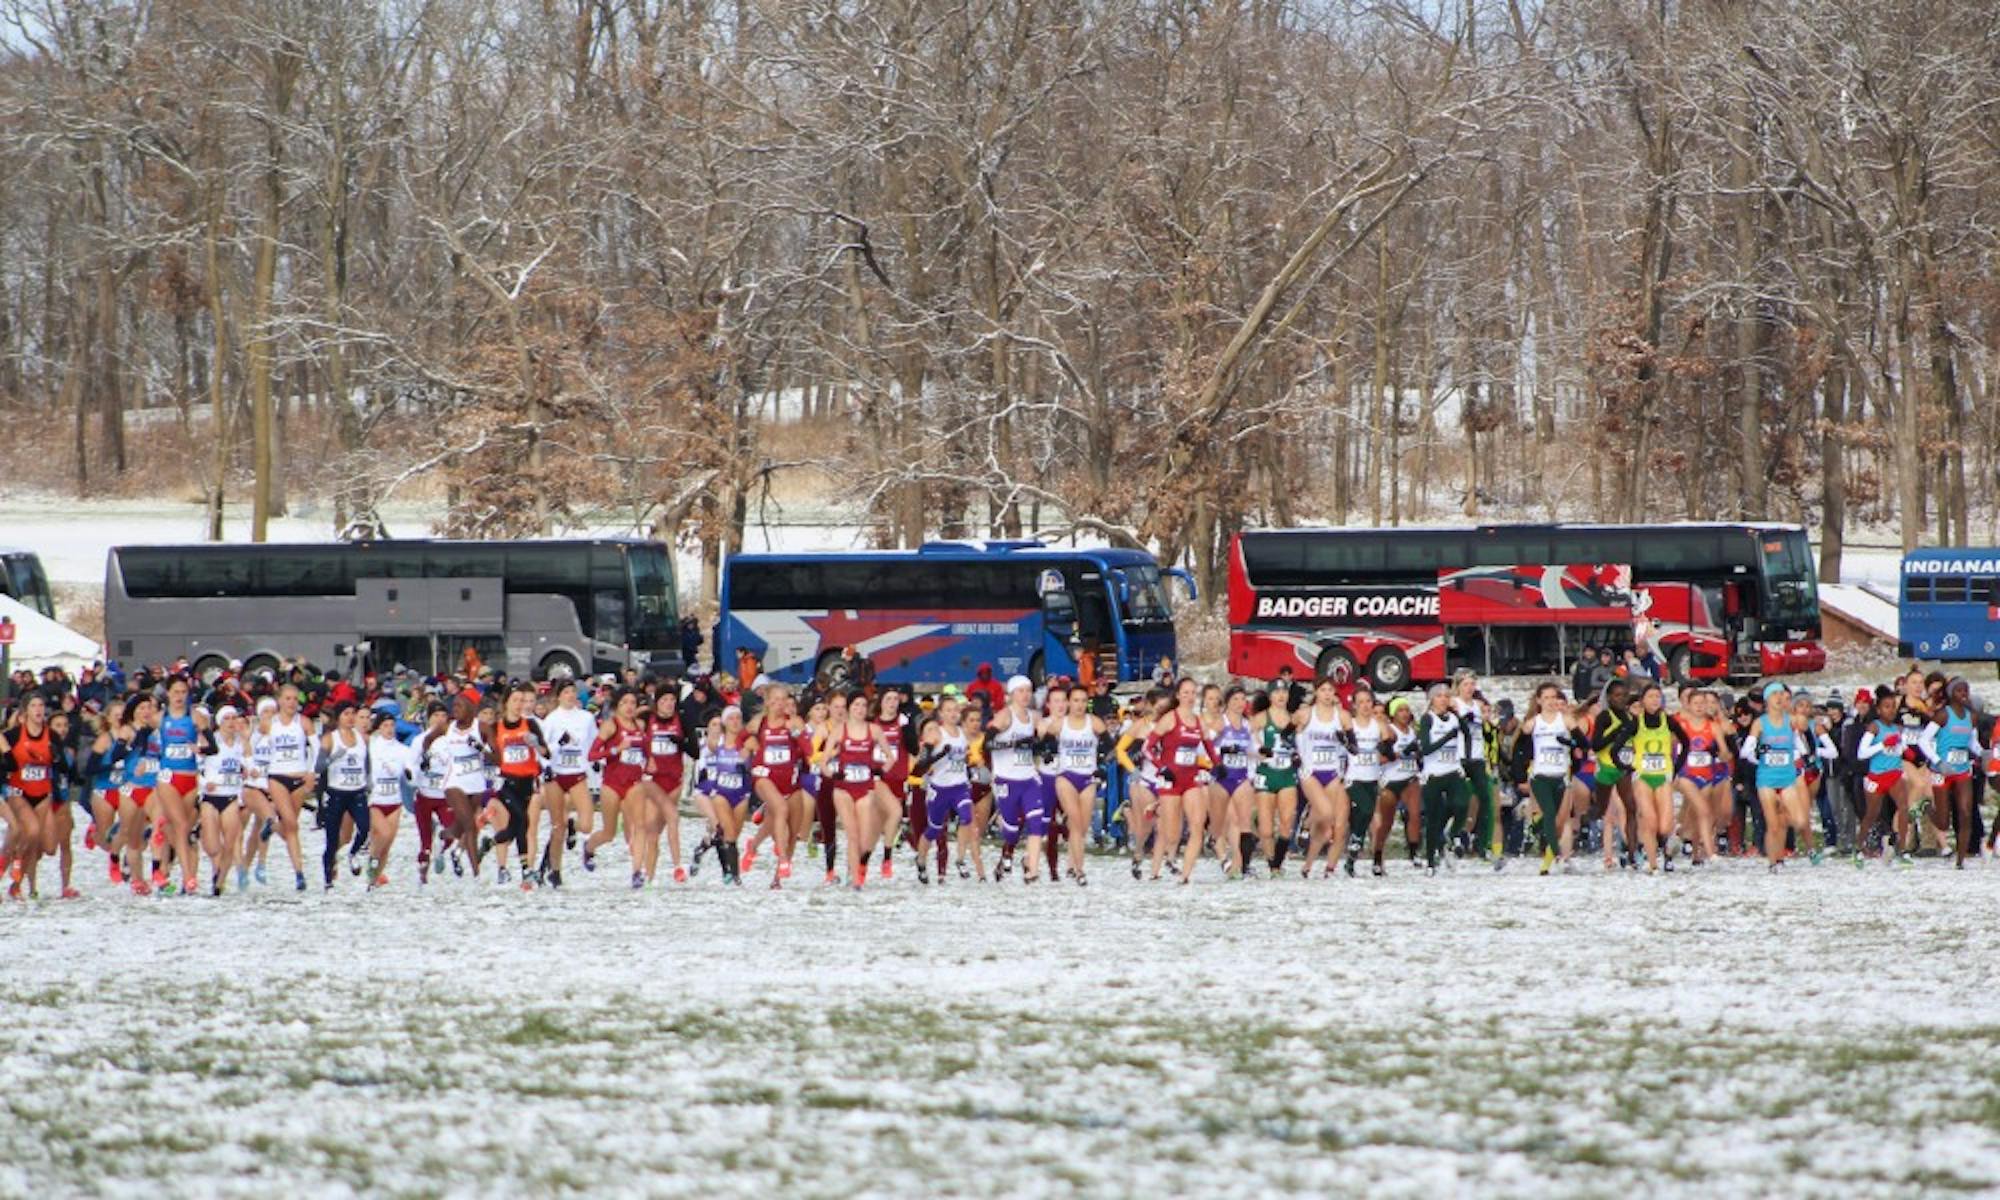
<point>1657,747</point>
<point>1612,737</point>
<point>1277,775</point>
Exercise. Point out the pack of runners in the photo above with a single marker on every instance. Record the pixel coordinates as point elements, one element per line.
<point>1186,781</point>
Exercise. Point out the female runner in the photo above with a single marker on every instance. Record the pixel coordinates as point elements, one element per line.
<point>1187,760</point>
<point>1914,716</point>
<point>1231,795</point>
<point>1323,754</point>
<point>1658,748</point>
<point>520,747</point>
<point>345,807</point>
<point>257,815</point>
<point>1443,742</point>
<point>572,733</point>
<point>1277,776</point>
<point>666,771</point>
<point>179,735</point>
<point>28,758</point>
<point>1705,799</point>
<point>225,771</point>
<point>1138,755</point>
<point>1471,709</point>
<point>1080,745</point>
<point>1551,736</point>
<point>1399,785</point>
<point>390,765</point>
<point>622,744</point>
<point>943,761</point>
<point>430,769</point>
<point>1612,787</point>
<point>290,734</point>
<point>852,758</point>
<point>1773,745</point>
<point>1366,734</point>
<point>460,747</point>
<point>1955,749</point>
<point>727,787</point>
<point>892,779</point>
<point>779,746</point>
<point>105,771</point>
<point>142,770</point>
<point>825,811</point>
<point>1017,784</point>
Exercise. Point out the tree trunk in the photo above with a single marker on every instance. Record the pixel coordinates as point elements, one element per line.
<point>1833,473</point>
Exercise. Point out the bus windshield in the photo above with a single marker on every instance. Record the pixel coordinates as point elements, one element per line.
<point>1794,584</point>
<point>654,622</point>
<point>1145,596</point>
<point>26,583</point>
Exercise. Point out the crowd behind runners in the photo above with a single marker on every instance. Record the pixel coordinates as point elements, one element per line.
<point>188,786</point>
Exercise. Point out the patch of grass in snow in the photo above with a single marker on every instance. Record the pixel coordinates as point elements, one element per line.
<point>538,1028</point>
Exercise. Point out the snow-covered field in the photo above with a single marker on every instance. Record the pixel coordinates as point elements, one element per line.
<point>1830,1031</point>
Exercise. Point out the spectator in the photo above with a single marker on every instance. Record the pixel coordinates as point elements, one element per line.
<point>986,688</point>
<point>860,670</point>
<point>1297,694</point>
<point>1103,705</point>
<point>1583,681</point>
<point>691,643</point>
<point>1164,674</point>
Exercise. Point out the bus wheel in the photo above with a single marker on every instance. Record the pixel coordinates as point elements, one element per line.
<point>1337,664</point>
<point>561,663</point>
<point>1389,670</point>
<point>1678,665</point>
<point>210,668</point>
<point>1038,671</point>
<point>831,673</point>
<point>259,662</point>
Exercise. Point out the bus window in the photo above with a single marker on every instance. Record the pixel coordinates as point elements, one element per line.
<point>1917,588</point>
<point>1949,589</point>
<point>1093,614</point>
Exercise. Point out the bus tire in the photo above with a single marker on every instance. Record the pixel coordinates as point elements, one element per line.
<point>1679,663</point>
<point>1335,663</point>
<point>1038,671</point>
<point>208,668</point>
<point>830,673</point>
<point>562,662</point>
<point>260,662</point>
<point>1388,670</point>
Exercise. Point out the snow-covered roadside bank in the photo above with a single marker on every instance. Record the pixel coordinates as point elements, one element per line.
<point>1722,1032</point>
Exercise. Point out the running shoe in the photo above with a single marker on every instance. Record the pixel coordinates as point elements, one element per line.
<point>749,860</point>
<point>505,876</point>
<point>299,879</point>
<point>860,877</point>
<point>140,887</point>
<point>680,875</point>
<point>589,859</point>
<point>1137,870</point>
<point>215,884</point>
<point>159,876</point>
<point>1548,859</point>
<point>702,847</point>
<point>70,893</point>
<point>923,873</point>
<point>1377,869</point>
<point>638,880</point>
<point>90,836</point>
<point>242,879</point>
<point>381,880</point>
<point>831,879</point>
<point>1080,880</point>
<point>117,874</point>
<point>887,870</point>
<point>259,875</point>
<point>784,868</point>
<point>457,861</point>
<point>14,890</point>
<point>555,879</point>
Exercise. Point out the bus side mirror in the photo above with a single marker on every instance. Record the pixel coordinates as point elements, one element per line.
<point>1186,580</point>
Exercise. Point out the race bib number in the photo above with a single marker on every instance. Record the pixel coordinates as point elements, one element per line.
<point>1447,755</point>
<point>1957,758</point>
<point>1699,759</point>
<point>1235,760</point>
<point>1281,759</point>
<point>388,789</point>
<point>664,745</point>
<point>515,754</point>
<point>1323,756</point>
<point>351,779</point>
<point>1777,760</point>
<point>147,766</point>
<point>232,772</point>
<point>855,773</point>
<point>730,782</point>
<point>34,774</point>
<point>570,758</point>
<point>1024,756</point>
<point>1366,758</point>
<point>1184,756</point>
<point>179,751</point>
<point>1080,760</point>
<point>1653,764</point>
<point>468,762</point>
<point>632,756</point>
<point>1552,757</point>
<point>777,754</point>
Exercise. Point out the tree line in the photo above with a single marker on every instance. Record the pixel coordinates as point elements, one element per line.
<point>1150,270</point>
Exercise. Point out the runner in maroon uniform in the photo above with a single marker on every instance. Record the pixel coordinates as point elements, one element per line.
<point>1185,761</point>
<point>824,812</point>
<point>621,746</point>
<point>852,757</point>
<point>666,766</point>
<point>777,747</point>
<point>892,783</point>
